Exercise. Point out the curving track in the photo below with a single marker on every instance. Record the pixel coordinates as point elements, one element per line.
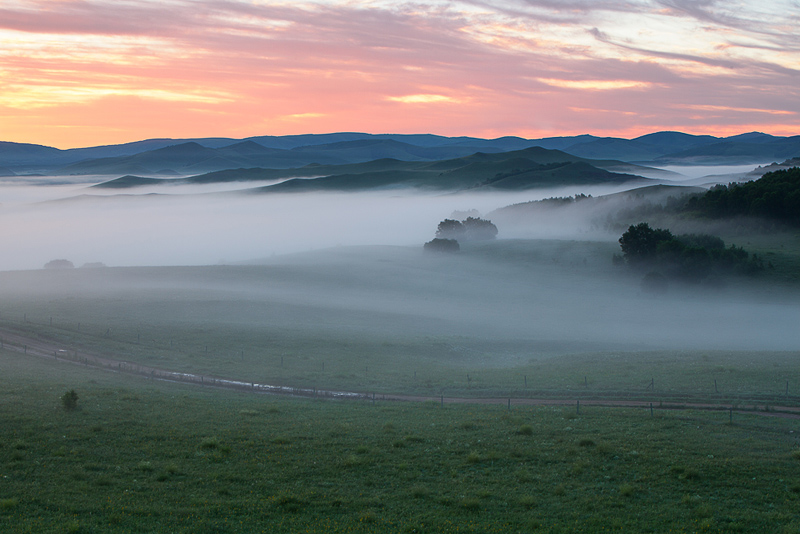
<point>18,341</point>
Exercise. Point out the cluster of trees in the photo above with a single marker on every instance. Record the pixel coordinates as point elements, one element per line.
<point>470,229</point>
<point>776,195</point>
<point>450,231</point>
<point>691,257</point>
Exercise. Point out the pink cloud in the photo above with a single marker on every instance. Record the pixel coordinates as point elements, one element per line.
<point>227,68</point>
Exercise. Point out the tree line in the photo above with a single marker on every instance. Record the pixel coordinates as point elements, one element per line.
<point>689,257</point>
<point>776,195</point>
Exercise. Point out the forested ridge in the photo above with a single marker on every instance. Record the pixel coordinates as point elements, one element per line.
<point>776,195</point>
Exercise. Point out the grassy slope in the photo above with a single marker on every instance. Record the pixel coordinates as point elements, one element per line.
<point>141,456</point>
<point>393,321</point>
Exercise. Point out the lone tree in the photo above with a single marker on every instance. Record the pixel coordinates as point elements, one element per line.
<point>59,264</point>
<point>450,229</point>
<point>442,245</point>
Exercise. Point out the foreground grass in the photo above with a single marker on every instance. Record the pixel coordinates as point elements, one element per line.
<point>142,456</point>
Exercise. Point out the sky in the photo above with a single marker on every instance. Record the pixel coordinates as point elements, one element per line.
<point>79,73</point>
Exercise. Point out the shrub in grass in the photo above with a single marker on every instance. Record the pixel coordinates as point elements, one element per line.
<point>472,504</point>
<point>69,400</point>
<point>560,490</point>
<point>523,475</point>
<point>388,427</point>
<point>351,460</point>
<point>704,510</point>
<point>414,439</point>
<point>690,474</point>
<point>586,443</point>
<point>6,505</point>
<point>796,454</point>
<point>368,516</point>
<point>418,491</point>
<point>579,467</point>
<point>525,430</point>
<point>20,445</point>
<point>468,425</point>
<point>209,443</point>
<point>398,444</point>
<point>473,458</point>
<point>281,440</point>
<point>362,449</point>
<point>145,466</point>
<point>289,503</point>
<point>627,490</point>
<point>527,501</point>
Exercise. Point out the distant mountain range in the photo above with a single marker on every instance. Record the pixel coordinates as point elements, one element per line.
<point>185,157</point>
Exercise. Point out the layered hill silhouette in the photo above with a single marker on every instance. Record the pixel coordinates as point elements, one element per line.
<point>185,157</point>
<point>533,167</point>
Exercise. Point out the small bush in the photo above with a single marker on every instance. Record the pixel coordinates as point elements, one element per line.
<point>145,466</point>
<point>209,443</point>
<point>559,490</point>
<point>350,460</point>
<point>473,458</point>
<point>690,474</point>
<point>289,503</point>
<point>69,400</point>
<point>471,503</point>
<point>796,454</point>
<point>8,504</point>
<point>627,490</point>
<point>468,425</point>
<point>419,492</point>
<point>281,440</point>
<point>527,501</point>
<point>368,516</point>
<point>525,430</point>
<point>586,443</point>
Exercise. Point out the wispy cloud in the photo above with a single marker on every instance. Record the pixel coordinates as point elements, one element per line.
<point>513,67</point>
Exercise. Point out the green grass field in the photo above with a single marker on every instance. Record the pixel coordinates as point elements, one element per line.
<point>148,456</point>
<point>512,319</point>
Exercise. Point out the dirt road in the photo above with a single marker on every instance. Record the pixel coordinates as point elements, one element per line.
<point>18,341</point>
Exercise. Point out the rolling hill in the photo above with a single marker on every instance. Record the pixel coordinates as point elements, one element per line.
<point>517,170</point>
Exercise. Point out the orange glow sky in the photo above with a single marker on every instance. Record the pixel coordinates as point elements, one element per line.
<point>92,72</point>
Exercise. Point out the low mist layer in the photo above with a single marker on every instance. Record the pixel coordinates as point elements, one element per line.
<point>209,224</point>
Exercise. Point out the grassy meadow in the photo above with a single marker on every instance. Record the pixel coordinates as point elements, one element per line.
<point>508,319</point>
<point>148,456</point>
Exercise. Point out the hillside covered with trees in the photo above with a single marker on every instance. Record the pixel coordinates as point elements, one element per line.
<point>776,196</point>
